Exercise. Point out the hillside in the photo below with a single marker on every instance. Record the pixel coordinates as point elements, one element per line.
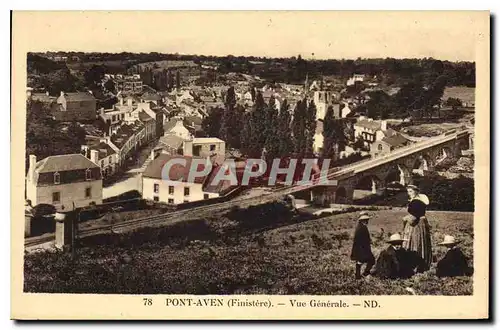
<point>222,256</point>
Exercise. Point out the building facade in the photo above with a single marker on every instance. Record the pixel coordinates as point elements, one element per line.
<point>65,181</point>
<point>77,106</point>
<point>214,148</point>
<point>172,187</point>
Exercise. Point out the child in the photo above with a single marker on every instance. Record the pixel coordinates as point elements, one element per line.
<point>361,247</point>
<point>391,262</point>
<point>454,263</point>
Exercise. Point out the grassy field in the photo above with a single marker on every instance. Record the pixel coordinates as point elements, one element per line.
<point>224,256</point>
<point>463,93</point>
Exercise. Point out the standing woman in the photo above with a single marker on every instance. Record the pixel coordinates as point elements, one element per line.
<point>416,230</point>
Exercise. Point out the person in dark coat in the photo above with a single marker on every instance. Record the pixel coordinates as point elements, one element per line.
<point>454,263</point>
<point>392,263</point>
<point>416,231</point>
<point>361,247</point>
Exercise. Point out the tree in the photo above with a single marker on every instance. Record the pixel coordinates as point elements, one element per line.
<point>110,85</point>
<point>211,124</point>
<point>259,124</point>
<point>94,75</point>
<point>433,95</point>
<point>231,123</point>
<point>310,126</point>
<point>453,102</point>
<point>298,128</point>
<point>272,143</point>
<point>379,105</point>
<point>177,80</point>
<point>334,135</point>
<point>284,134</point>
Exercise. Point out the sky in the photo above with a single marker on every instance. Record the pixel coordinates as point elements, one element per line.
<point>326,34</point>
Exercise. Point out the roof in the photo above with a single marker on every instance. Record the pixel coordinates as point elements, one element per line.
<point>193,119</point>
<point>104,149</point>
<point>167,127</point>
<point>61,163</point>
<point>149,96</point>
<point>172,141</point>
<point>78,97</point>
<point>207,140</point>
<point>42,97</point>
<point>124,133</point>
<point>372,125</point>
<point>177,172</point>
<point>397,140</point>
<point>144,117</point>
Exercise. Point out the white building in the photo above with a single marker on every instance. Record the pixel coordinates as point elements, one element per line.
<point>172,187</point>
<point>65,181</point>
<point>213,148</point>
<point>370,130</point>
<point>355,78</point>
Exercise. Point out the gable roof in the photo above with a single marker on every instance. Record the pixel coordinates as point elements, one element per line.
<point>177,172</point>
<point>104,149</point>
<point>172,141</point>
<point>78,97</point>
<point>61,163</point>
<point>144,117</point>
<point>370,124</point>
<point>150,96</point>
<point>396,140</point>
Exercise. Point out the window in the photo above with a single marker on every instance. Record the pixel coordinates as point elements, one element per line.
<point>170,201</point>
<point>88,192</point>
<point>156,188</point>
<point>110,159</point>
<point>171,190</point>
<point>205,196</point>
<point>156,199</point>
<point>88,174</point>
<point>196,150</point>
<point>102,163</point>
<point>123,115</point>
<point>113,118</point>
<point>56,197</point>
<point>186,191</point>
<point>57,178</point>
<point>380,147</point>
<point>212,147</point>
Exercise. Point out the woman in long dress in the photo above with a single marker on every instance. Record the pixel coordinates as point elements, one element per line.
<point>416,232</point>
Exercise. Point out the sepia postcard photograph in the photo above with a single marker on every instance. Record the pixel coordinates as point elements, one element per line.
<point>273,165</point>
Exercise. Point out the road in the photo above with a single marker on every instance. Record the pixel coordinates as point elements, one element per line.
<point>131,180</point>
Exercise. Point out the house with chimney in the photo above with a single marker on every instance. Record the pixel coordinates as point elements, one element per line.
<point>64,181</point>
<point>79,106</point>
<point>104,153</point>
<point>370,130</point>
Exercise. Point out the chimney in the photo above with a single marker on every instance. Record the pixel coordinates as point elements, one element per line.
<point>31,170</point>
<point>153,154</point>
<point>129,102</point>
<point>383,125</point>
<point>62,93</point>
<point>47,93</point>
<point>121,100</point>
<point>101,111</point>
<point>94,156</point>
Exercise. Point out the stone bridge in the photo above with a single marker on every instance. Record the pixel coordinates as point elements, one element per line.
<point>375,174</point>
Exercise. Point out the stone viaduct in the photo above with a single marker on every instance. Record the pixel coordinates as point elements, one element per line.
<point>398,166</point>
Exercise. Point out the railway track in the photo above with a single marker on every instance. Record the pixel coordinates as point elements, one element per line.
<point>206,210</point>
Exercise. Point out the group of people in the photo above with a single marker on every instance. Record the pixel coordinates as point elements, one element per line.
<point>410,252</point>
